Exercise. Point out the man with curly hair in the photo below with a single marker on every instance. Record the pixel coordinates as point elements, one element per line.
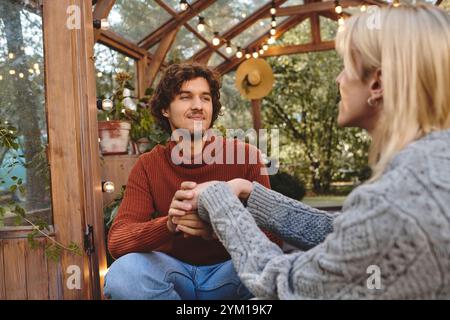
<point>162,254</point>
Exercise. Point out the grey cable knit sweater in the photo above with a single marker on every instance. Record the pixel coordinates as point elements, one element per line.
<point>398,225</point>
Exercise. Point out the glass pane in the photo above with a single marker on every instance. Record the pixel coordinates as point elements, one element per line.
<point>108,63</point>
<point>215,60</point>
<point>298,35</point>
<point>184,46</point>
<point>292,3</point>
<point>225,14</point>
<point>136,19</point>
<point>328,29</point>
<point>24,170</point>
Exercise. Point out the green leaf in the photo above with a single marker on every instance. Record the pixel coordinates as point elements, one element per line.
<point>12,188</point>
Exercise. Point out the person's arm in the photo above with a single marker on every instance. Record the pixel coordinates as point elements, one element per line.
<point>133,230</point>
<point>336,268</point>
<point>294,221</point>
<point>258,173</point>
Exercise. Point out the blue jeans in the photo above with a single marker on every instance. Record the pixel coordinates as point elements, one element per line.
<point>158,276</point>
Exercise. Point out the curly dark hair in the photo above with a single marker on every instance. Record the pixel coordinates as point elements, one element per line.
<point>170,85</point>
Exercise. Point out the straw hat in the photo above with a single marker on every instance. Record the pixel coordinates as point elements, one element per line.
<point>254,78</point>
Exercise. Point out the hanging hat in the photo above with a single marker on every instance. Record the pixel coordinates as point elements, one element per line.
<point>254,78</point>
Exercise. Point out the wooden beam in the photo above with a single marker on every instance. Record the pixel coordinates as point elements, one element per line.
<point>315,28</point>
<point>314,7</point>
<point>159,55</point>
<point>159,33</point>
<point>101,11</point>
<point>301,48</point>
<point>119,43</point>
<point>239,28</point>
<point>281,29</point>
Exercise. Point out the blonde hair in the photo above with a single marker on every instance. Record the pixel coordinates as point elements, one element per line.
<point>411,46</point>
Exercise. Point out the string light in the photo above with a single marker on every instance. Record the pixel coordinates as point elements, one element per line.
<point>127,59</point>
<point>102,24</point>
<point>255,54</point>
<point>341,21</point>
<point>108,186</point>
<point>273,31</point>
<point>201,24</point>
<point>337,7</point>
<point>363,8</point>
<point>36,66</point>
<point>265,47</point>
<point>11,55</point>
<point>107,104</point>
<point>261,51</point>
<point>99,74</point>
<point>12,72</point>
<point>271,40</point>
<point>228,49</point>
<point>21,75</point>
<point>239,53</point>
<point>274,22</point>
<point>183,5</point>
<point>216,40</point>
<point>38,72</point>
<point>1,77</point>
<point>273,10</point>
<point>248,56</point>
<point>31,71</point>
<point>396,3</point>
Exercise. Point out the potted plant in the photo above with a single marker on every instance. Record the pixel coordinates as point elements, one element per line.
<point>116,116</point>
<point>145,132</point>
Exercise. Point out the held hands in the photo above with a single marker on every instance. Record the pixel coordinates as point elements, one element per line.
<point>183,209</point>
<point>183,212</point>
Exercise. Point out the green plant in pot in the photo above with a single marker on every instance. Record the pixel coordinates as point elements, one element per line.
<point>116,117</point>
<point>145,132</point>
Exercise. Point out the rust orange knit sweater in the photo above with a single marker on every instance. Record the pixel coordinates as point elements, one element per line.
<point>140,225</point>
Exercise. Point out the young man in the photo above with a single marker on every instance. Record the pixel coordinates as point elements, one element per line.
<point>161,255</point>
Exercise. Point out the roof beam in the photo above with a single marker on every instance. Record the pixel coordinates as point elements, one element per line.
<point>119,43</point>
<point>159,56</point>
<point>240,27</point>
<point>300,48</point>
<point>281,29</point>
<point>159,33</point>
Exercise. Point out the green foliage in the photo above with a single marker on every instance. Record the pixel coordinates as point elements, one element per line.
<point>288,185</point>
<point>53,250</point>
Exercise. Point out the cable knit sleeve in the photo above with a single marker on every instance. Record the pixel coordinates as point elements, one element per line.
<point>369,234</point>
<point>295,222</point>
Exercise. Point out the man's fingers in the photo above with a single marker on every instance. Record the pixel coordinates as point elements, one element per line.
<point>183,195</point>
<point>176,212</point>
<point>188,185</point>
<point>180,205</point>
<point>189,223</point>
<point>193,231</point>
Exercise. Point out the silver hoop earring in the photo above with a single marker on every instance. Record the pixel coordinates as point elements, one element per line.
<point>370,102</point>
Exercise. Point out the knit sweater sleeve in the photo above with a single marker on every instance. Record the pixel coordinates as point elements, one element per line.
<point>336,268</point>
<point>133,229</point>
<point>293,221</point>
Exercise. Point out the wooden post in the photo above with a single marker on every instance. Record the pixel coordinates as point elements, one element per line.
<point>256,114</point>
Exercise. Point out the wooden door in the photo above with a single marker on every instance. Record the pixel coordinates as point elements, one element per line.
<point>73,157</point>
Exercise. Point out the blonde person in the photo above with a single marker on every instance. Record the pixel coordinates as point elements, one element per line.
<point>392,238</point>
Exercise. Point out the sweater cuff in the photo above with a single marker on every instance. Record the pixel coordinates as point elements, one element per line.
<point>214,199</point>
<point>260,203</point>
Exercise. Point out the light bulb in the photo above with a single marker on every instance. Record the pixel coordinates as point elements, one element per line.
<point>273,10</point>
<point>216,40</point>
<point>265,47</point>
<point>104,24</point>
<point>99,74</point>
<point>239,54</point>
<point>396,3</point>
<point>107,104</point>
<point>228,49</point>
<point>271,40</point>
<point>108,186</point>
<point>338,9</point>
<point>273,31</point>
<point>1,78</point>
<point>248,56</point>
<point>127,59</point>
<point>21,75</point>
<point>261,51</point>
<point>363,8</point>
<point>11,55</point>
<point>31,71</point>
<point>12,72</point>
<point>201,24</point>
<point>273,23</point>
<point>36,66</point>
<point>341,21</point>
<point>183,5</point>
<point>255,54</point>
